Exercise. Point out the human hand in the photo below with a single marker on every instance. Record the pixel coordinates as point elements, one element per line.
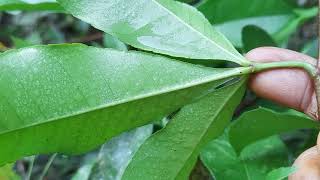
<point>292,88</point>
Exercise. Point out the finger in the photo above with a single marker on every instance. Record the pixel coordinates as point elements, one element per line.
<point>289,87</point>
<point>318,142</point>
<point>308,165</point>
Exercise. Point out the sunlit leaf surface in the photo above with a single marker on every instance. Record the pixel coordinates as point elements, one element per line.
<point>162,26</point>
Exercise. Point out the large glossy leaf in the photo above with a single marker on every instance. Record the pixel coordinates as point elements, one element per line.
<point>162,26</point>
<point>71,98</point>
<point>172,152</point>
<point>30,5</point>
<point>255,162</point>
<point>262,122</point>
<point>276,17</point>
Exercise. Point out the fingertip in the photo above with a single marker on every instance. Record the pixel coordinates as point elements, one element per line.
<point>262,54</point>
<point>308,165</point>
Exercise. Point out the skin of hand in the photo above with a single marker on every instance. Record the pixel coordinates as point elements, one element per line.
<point>293,88</point>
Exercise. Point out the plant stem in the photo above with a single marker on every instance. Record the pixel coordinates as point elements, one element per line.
<point>312,70</point>
<point>258,67</point>
<point>47,166</point>
<point>31,162</point>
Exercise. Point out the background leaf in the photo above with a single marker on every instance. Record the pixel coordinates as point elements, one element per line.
<point>188,1</point>
<point>7,173</point>
<point>276,17</point>
<point>262,122</point>
<point>30,5</point>
<point>21,43</point>
<point>114,43</point>
<point>281,173</point>
<point>162,26</point>
<point>254,37</point>
<point>311,48</point>
<point>114,156</point>
<point>255,161</point>
<point>172,152</point>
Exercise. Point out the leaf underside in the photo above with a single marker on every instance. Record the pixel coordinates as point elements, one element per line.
<point>162,26</point>
<point>172,152</point>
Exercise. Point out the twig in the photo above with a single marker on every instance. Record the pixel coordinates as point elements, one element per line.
<point>89,38</point>
<point>31,162</point>
<point>47,166</point>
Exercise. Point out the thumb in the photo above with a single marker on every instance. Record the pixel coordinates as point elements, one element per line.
<point>290,87</point>
<point>308,165</point>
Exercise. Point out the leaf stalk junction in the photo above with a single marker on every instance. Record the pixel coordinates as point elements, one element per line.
<point>309,68</point>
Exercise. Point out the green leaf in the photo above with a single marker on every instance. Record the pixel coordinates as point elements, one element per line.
<point>215,10</point>
<point>20,43</point>
<point>301,15</point>
<point>162,26</point>
<point>254,162</point>
<point>172,152</point>
<point>84,172</point>
<point>113,42</point>
<point>114,156</point>
<point>188,1</point>
<point>276,17</point>
<point>281,173</point>
<point>29,5</point>
<point>253,37</point>
<point>71,98</point>
<point>7,173</point>
<point>293,3</point>
<point>311,48</point>
<point>261,123</point>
